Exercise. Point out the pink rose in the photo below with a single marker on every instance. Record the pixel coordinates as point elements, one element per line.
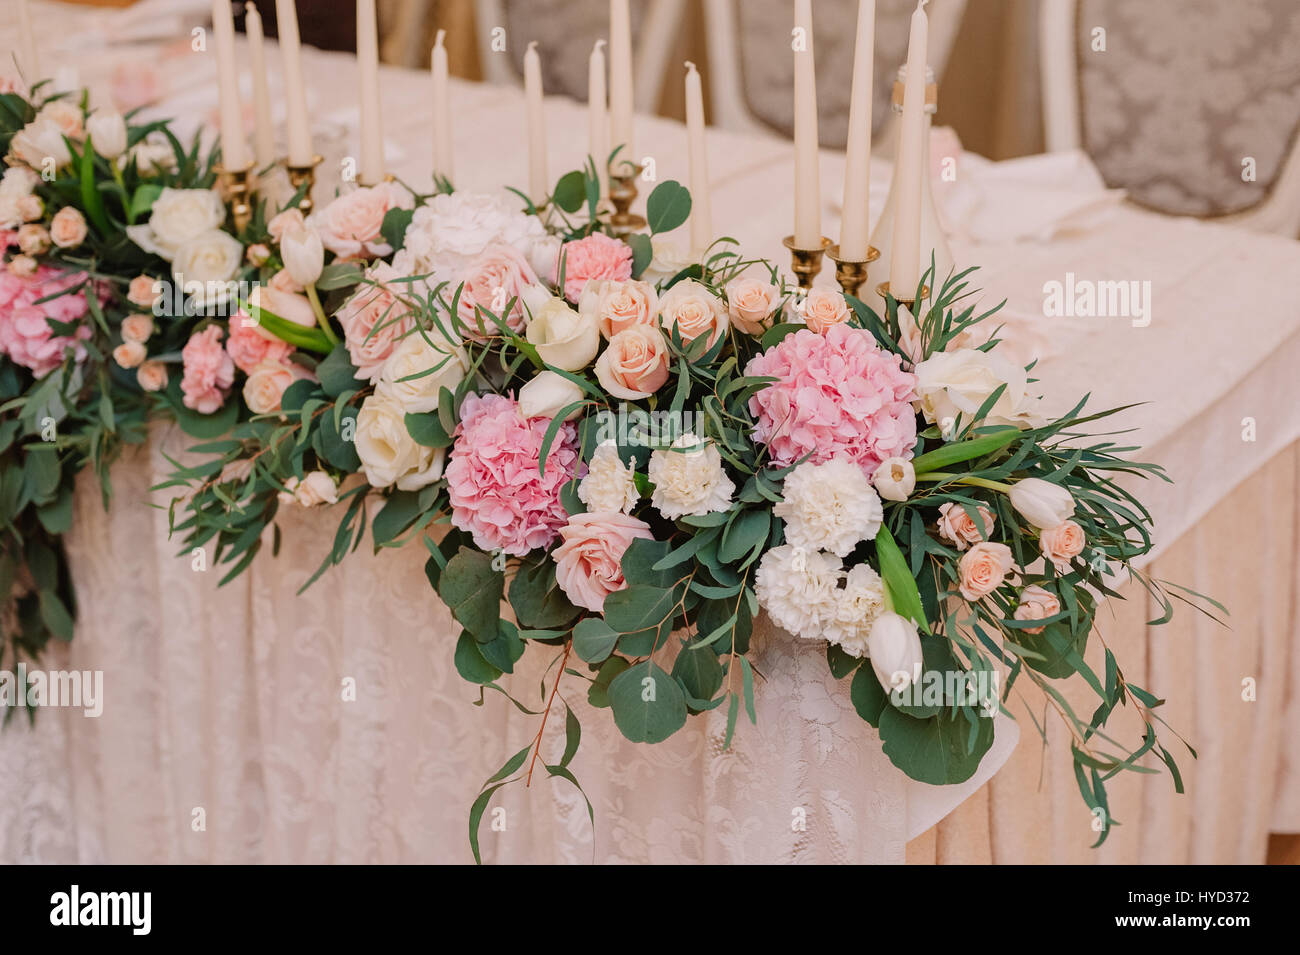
<point>68,228</point>
<point>823,308</point>
<point>635,364</point>
<point>137,328</point>
<point>595,257</point>
<point>129,354</point>
<point>692,310</point>
<point>351,225</point>
<point>1037,604</point>
<point>589,559</point>
<point>751,303</point>
<point>1061,544</point>
<point>983,568</point>
<point>249,344</point>
<point>144,291</point>
<point>957,528</point>
<point>374,319</point>
<point>266,385</point>
<point>498,275</point>
<point>25,335</point>
<point>619,305</point>
<point>208,373</point>
<point>151,376</point>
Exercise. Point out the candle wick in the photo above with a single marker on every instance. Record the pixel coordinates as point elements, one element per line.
<point>690,67</point>
<point>600,45</point>
<point>437,40</point>
<point>532,46</point>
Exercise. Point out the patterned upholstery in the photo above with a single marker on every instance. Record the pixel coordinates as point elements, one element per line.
<point>768,67</point>
<point>1183,92</point>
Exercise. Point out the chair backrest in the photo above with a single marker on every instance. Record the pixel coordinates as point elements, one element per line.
<point>565,31</point>
<point>752,69</point>
<point>1192,106</point>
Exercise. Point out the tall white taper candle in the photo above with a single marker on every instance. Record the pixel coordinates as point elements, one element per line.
<point>371,168</point>
<point>536,116</point>
<point>701,206</point>
<point>297,126</point>
<point>855,226</point>
<point>598,116</point>
<point>442,155</point>
<point>620,81</point>
<point>234,149</point>
<point>807,179</point>
<point>905,256</point>
<point>264,132</point>
<point>28,60</point>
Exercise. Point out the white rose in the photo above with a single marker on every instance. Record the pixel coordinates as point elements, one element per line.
<point>565,338</point>
<point>107,131</point>
<point>895,479</point>
<point>178,215</point>
<point>1042,503</point>
<point>204,266</point>
<point>303,254</point>
<point>895,650</point>
<point>388,453</point>
<point>39,141</point>
<point>689,481</point>
<point>829,507</point>
<point>610,485</point>
<point>666,260</point>
<point>316,488</point>
<point>65,115</point>
<point>958,382</point>
<point>547,395</point>
<point>416,356</point>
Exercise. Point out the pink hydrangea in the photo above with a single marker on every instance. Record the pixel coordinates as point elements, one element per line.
<point>496,492</point>
<point>595,257</point>
<point>209,371</point>
<point>836,394</point>
<point>25,335</point>
<point>249,345</point>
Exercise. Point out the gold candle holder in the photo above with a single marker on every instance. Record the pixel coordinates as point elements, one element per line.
<point>622,193</point>
<point>237,190</point>
<point>806,263</point>
<point>304,174</point>
<point>883,291</point>
<point>850,274</point>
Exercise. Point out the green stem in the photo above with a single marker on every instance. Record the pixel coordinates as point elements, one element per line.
<point>126,199</point>
<point>965,479</point>
<point>321,320</point>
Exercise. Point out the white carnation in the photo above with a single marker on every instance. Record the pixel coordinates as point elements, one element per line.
<point>610,485</point>
<point>829,506</point>
<point>689,482</point>
<point>799,590</point>
<point>856,609</point>
<point>451,230</point>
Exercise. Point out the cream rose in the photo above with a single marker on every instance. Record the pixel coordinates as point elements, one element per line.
<point>39,141</point>
<point>1061,544</point>
<point>438,362</point>
<point>1037,604</point>
<point>693,310</point>
<point>177,216</point>
<point>565,338</point>
<point>204,266</point>
<point>618,305</point>
<point>667,259</point>
<point>635,365</point>
<point>610,485</point>
<point>68,228</point>
<point>983,568</point>
<point>958,382</point>
<point>751,304</point>
<point>313,490</point>
<point>388,453</point>
<point>546,395</point>
<point>689,479</point>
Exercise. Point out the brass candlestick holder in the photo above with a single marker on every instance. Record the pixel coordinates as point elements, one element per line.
<point>237,190</point>
<point>806,263</point>
<point>851,274</point>
<point>298,175</point>
<point>883,291</point>
<point>622,193</point>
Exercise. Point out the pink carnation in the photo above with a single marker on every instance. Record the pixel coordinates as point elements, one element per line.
<point>209,371</point>
<point>25,335</point>
<point>496,492</point>
<point>249,346</point>
<point>835,394</point>
<point>595,257</point>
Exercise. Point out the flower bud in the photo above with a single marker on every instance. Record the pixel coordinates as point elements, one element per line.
<point>547,395</point>
<point>895,479</point>
<point>895,651</point>
<point>1042,503</point>
<point>303,254</point>
<point>107,131</point>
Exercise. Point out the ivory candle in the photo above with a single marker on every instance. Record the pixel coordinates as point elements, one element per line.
<point>701,207</point>
<point>905,261</point>
<point>807,183</point>
<point>295,93</point>
<point>536,119</point>
<point>264,133</point>
<point>234,150</point>
<point>371,168</point>
<point>28,62</point>
<point>855,229</point>
<point>598,116</point>
<point>441,109</point>
<point>620,81</point>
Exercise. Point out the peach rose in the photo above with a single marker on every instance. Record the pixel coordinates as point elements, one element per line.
<point>137,328</point>
<point>1037,604</point>
<point>619,305</point>
<point>750,303</point>
<point>635,363</point>
<point>983,568</point>
<point>144,291</point>
<point>351,226</point>
<point>823,308</point>
<point>151,376</point>
<point>31,208</point>
<point>129,354</point>
<point>589,559</point>
<point>68,228</point>
<point>693,310</point>
<point>1061,544</point>
<point>266,385</point>
<point>499,274</point>
<point>23,266</point>
<point>957,528</point>
<point>33,239</point>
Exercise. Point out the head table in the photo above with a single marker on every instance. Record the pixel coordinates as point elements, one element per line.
<point>230,700</point>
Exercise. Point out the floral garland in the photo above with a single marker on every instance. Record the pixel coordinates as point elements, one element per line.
<point>636,454</point>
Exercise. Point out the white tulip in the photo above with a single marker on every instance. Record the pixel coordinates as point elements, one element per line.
<point>303,254</point>
<point>895,479</point>
<point>107,131</point>
<point>547,395</point>
<point>1042,503</point>
<point>895,651</point>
